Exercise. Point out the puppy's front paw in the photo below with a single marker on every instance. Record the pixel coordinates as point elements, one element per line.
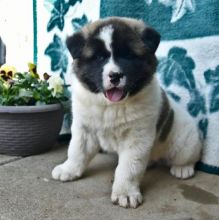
<point>127,198</point>
<point>183,172</point>
<point>65,172</point>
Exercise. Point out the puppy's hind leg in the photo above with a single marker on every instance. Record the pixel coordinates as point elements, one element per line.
<point>183,172</point>
<point>83,147</point>
<point>185,157</point>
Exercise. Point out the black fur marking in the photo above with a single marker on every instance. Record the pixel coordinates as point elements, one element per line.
<point>151,38</point>
<point>131,51</point>
<point>165,121</point>
<point>138,69</point>
<point>164,111</point>
<point>167,126</point>
<point>75,44</point>
<point>89,68</point>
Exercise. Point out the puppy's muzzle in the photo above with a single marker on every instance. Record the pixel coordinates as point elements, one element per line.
<point>115,77</point>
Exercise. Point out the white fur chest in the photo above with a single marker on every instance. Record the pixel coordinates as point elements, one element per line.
<point>113,123</point>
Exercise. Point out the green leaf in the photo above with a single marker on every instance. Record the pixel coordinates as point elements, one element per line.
<point>56,50</point>
<point>57,15</point>
<point>26,89</point>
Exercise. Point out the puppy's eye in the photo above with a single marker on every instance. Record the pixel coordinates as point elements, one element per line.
<point>130,55</point>
<point>126,54</point>
<point>98,57</point>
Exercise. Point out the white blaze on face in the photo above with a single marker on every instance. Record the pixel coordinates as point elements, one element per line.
<point>106,35</point>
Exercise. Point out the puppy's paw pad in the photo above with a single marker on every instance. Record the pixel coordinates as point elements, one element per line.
<point>127,201</point>
<point>182,172</point>
<point>62,173</point>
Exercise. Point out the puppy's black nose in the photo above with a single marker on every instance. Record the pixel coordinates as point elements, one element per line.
<point>115,77</point>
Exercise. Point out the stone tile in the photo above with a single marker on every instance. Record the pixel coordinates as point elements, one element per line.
<point>7,159</point>
<point>28,192</point>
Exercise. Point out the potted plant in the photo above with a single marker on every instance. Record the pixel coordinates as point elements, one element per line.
<point>31,111</point>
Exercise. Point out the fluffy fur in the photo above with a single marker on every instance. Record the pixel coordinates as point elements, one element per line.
<point>119,105</point>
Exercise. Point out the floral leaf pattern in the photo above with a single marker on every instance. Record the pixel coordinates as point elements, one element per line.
<point>73,2</point>
<point>179,7</point>
<point>174,96</point>
<point>214,103</point>
<point>177,68</point>
<point>57,15</point>
<point>77,23</point>
<point>170,68</point>
<point>48,4</point>
<point>59,23</point>
<point>211,76</point>
<point>196,104</point>
<point>212,79</point>
<point>203,127</point>
<point>56,51</point>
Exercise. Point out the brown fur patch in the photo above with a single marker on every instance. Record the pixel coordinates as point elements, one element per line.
<point>136,25</point>
<point>165,120</point>
<point>87,51</point>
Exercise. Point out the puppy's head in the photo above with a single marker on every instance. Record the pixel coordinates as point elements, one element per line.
<point>114,56</point>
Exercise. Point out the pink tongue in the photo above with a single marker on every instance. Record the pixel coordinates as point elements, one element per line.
<point>114,95</point>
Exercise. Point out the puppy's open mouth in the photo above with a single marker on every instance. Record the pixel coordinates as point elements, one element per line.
<point>115,94</point>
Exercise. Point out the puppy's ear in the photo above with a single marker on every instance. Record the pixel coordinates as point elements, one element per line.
<point>75,44</point>
<point>151,38</point>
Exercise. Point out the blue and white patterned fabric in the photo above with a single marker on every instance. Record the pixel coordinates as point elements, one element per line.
<point>54,21</point>
<point>188,59</point>
<point>188,54</point>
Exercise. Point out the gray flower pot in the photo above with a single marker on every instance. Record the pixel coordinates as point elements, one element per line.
<point>28,130</point>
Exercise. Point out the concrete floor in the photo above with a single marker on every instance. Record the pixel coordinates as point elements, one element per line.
<point>28,192</point>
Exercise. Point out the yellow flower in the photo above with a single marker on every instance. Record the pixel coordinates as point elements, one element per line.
<point>56,83</point>
<point>7,72</point>
<point>33,70</point>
